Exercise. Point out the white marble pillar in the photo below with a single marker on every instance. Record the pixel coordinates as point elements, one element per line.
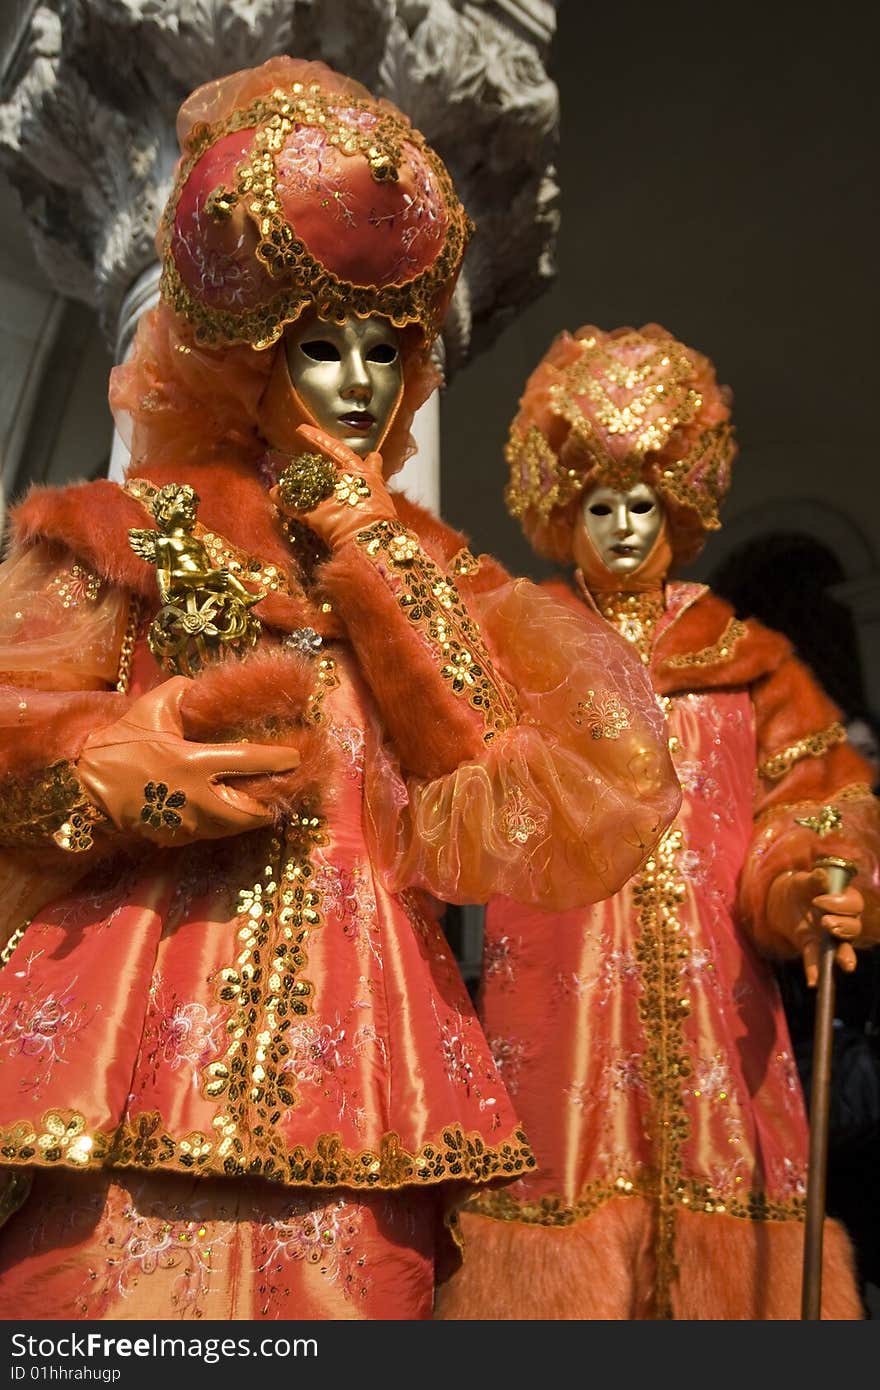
<point>92,92</point>
<point>143,294</point>
<point>420,476</point>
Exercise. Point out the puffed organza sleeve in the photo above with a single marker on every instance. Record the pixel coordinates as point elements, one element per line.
<point>61,633</point>
<point>813,799</point>
<point>572,785</point>
<point>60,626</point>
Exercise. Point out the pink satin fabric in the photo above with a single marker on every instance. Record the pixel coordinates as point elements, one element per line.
<point>667,1069</point>
<point>120,1004</point>
<point>142,1246</point>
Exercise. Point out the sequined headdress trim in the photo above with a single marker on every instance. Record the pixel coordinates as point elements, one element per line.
<point>354,126</point>
<point>616,408</point>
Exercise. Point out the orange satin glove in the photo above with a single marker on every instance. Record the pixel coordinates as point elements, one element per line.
<point>799,908</point>
<point>148,778</point>
<point>359,496</point>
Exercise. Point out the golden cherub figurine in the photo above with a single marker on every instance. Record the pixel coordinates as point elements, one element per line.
<point>204,607</point>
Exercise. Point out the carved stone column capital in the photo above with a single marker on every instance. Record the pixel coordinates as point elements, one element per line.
<point>91,92</point>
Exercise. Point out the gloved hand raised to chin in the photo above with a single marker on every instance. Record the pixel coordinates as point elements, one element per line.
<point>334,491</point>
<point>149,779</point>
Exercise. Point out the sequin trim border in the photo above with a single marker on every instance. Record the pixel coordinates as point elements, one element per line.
<point>810,746</point>
<point>61,1139</point>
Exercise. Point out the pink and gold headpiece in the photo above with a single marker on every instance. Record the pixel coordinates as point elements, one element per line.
<point>616,408</point>
<point>297,188</point>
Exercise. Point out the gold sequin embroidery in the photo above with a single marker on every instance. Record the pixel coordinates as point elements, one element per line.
<point>281,251</point>
<point>352,490</point>
<point>553,1210</point>
<point>660,950</point>
<point>520,820</point>
<point>463,564</point>
<point>53,806</point>
<point>855,791</point>
<point>605,716</point>
<point>810,746</point>
<point>634,616</point>
<point>266,985</point>
<point>326,679</point>
<point>671,372</point>
<point>436,609</point>
<point>76,585</point>
<point>538,481</point>
<point>658,399</point>
<point>826,820</point>
<point>61,1139</point>
<point>15,938</point>
<point>709,459</point>
<point>718,651</point>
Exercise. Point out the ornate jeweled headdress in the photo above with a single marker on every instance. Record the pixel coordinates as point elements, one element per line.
<point>616,408</point>
<point>297,188</point>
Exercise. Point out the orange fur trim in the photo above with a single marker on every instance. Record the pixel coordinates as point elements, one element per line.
<point>751,1270</point>
<point>729,1269</point>
<point>518,1273</point>
<point>232,698</point>
<point>432,734</point>
<point>788,704</point>
<point>701,626</point>
<point>93,520</point>
<point>263,698</point>
<point>312,781</point>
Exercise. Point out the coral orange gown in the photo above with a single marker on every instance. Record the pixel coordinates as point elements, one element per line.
<point>244,1075</point>
<point>642,1039</point>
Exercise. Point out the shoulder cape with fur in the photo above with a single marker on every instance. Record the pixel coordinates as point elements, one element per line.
<point>92,521</point>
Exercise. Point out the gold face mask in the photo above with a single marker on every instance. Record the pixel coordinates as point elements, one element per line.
<point>348,376</point>
<point>623,526</point>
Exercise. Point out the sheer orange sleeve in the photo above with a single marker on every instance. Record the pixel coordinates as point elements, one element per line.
<point>572,786</point>
<point>60,626</point>
<point>61,631</point>
<point>813,798</point>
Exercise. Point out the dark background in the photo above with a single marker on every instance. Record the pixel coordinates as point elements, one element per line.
<point>717,167</point>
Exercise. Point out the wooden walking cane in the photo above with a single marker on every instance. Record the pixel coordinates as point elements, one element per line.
<point>839,873</point>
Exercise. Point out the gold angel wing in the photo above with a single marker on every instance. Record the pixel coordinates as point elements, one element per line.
<point>143,543</point>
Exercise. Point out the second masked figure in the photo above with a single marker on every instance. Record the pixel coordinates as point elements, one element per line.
<point>643,1038</point>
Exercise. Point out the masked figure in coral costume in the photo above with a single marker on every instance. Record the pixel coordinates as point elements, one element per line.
<point>252,725</point>
<point>663,1104</point>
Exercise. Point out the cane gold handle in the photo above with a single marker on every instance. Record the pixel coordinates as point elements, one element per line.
<point>840,872</point>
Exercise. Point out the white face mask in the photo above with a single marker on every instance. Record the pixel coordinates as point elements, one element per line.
<point>623,526</point>
<point>348,375</point>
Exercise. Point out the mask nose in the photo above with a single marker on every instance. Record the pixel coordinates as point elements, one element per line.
<point>358,386</point>
<point>622,526</point>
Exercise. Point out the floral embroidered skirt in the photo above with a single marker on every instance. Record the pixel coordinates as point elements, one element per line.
<point>137,1246</point>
